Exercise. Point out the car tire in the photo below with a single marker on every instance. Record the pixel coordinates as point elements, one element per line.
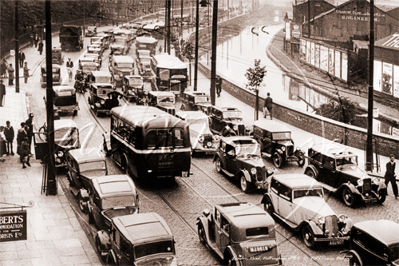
<point>218,165</point>
<point>354,261</point>
<point>244,184</point>
<point>382,196</point>
<point>311,173</point>
<point>308,237</point>
<point>277,160</point>
<point>98,247</point>
<point>268,207</point>
<point>301,160</point>
<point>82,204</point>
<point>348,197</point>
<point>201,234</point>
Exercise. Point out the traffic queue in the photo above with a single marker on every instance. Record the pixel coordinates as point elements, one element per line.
<point>150,139</point>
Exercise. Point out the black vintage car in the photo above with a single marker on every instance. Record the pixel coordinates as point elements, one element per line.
<point>276,142</point>
<point>195,101</point>
<point>227,121</point>
<point>374,243</point>
<point>336,167</point>
<point>240,157</point>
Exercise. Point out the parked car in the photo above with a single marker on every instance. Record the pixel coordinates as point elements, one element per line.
<point>201,137</point>
<point>56,69</point>
<point>276,142</point>
<point>91,31</point>
<point>120,66</point>
<point>66,138</point>
<point>298,201</point>
<point>137,239</point>
<point>84,164</point>
<point>97,58</point>
<point>227,121</point>
<point>374,243</point>
<point>131,87</point>
<point>111,196</point>
<point>57,56</point>
<point>195,100</point>
<point>240,157</point>
<point>240,233</point>
<point>99,101</point>
<point>95,48</point>
<point>336,167</point>
<point>164,100</point>
<point>65,101</point>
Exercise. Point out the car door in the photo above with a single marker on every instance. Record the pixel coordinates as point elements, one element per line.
<point>268,144</point>
<point>285,205</point>
<point>225,233</point>
<point>231,159</point>
<point>328,173</point>
<point>95,202</point>
<point>218,231</point>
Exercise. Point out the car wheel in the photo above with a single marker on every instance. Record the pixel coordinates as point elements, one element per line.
<point>301,160</point>
<point>268,207</point>
<point>277,160</point>
<point>218,165</point>
<point>201,234</point>
<point>311,173</point>
<point>98,247</point>
<point>82,204</point>
<point>354,261</point>
<point>308,237</point>
<point>348,197</point>
<point>244,184</point>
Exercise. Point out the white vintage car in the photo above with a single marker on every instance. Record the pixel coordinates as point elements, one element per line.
<point>298,201</point>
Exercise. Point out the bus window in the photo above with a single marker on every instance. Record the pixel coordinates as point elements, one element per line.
<point>165,138</point>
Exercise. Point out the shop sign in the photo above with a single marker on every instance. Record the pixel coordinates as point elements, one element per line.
<point>13,225</point>
<point>296,31</point>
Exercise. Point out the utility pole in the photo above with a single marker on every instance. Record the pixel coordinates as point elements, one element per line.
<point>51,181</point>
<point>196,47</point>
<point>369,149</point>
<point>214,45</point>
<point>16,48</point>
<point>309,18</point>
<point>165,43</point>
<point>168,27</point>
<point>181,19</point>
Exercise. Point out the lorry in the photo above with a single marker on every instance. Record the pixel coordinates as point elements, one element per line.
<point>71,38</point>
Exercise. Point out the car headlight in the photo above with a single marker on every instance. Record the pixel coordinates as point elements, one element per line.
<point>322,220</point>
<point>216,137</point>
<point>201,139</point>
<point>360,182</point>
<point>253,171</point>
<point>102,102</point>
<point>235,127</point>
<point>209,144</point>
<point>60,154</point>
<point>341,218</point>
<point>283,148</point>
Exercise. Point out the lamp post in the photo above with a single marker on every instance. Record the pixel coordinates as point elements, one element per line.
<point>16,49</point>
<point>203,3</point>
<point>213,56</point>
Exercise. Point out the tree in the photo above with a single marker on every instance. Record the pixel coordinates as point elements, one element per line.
<point>255,78</point>
<point>342,110</point>
<point>188,52</point>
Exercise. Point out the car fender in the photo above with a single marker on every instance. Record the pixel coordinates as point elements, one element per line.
<point>204,221</point>
<point>316,230</point>
<point>278,151</point>
<point>214,157</point>
<point>105,239</point>
<point>84,194</point>
<point>267,198</point>
<point>381,186</point>
<point>313,169</point>
<point>234,256</point>
<point>246,174</point>
<point>352,188</point>
<point>353,253</point>
<point>112,254</point>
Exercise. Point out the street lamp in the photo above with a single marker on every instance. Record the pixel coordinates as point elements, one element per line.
<point>203,3</point>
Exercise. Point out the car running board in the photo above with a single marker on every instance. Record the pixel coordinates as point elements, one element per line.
<point>290,224</point>
<point>227,173</point>
<point>329,188</point>
<point>266,154</point>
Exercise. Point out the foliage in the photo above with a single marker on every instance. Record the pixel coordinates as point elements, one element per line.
<point>188,51</point>
<point>343,110</point>
<point>255,75</point>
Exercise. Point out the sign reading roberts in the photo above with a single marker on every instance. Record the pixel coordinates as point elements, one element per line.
<point>13,226</point>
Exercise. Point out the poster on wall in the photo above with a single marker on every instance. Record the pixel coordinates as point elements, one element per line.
<point>337,64</point>
<point>317,56</point>
<point>396,81</point>
<point>308,52</point>
<point>302,51</point>
<point>302,91</point>
<point>387,78</point>
<point>344,67</point>
<point>324,58</point>
<point>331,61</point>
<point>294,90</point>
<point>377,75</point>
<point>312,53</point>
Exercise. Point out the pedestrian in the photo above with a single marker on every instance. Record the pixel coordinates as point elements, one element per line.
<point>26,72</point>
<point>218,85</point>
<point>3,68</point>
<point>21,134</point>
<point>21,59</point>
<point>29,130</point>
<point>32,39</point>
<point>2,144</point>
<point>268,107</point>
<point>9,133</point>
<point>40,49</point>
<point>2,93</point>
<point>10,75</point>
<point>24,153</point>
<point>36,40</point>
<point>69,66</point>
<point>390,176</point>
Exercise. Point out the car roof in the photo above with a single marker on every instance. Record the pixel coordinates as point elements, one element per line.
<point>63,88</point>
<point>61,123</point>
<point>88,64</point>
<point>85,155</point>
<point>229,109</point>
<point>169,61</point>
<point>143,227</point>
<point>297,181</point>
<point>101,73</point>
<point>272,126</point>
<point>333,149</point>
<point>385,231</point>
<point>133,76</point>
<point>161,93</point>
<point>123,59</point>
<point>190,115</point>
<point>239,140</point>
<point>146,40</point>
<point>113,185</point>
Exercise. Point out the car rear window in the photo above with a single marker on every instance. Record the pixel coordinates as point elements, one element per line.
<point>257,231</point>
<point>112,187</point>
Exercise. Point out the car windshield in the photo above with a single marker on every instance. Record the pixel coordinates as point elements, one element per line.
<point>233,115</point>
<point>282,136</point>
<point>160,138</point>
<point>118,201</point>
<point>347,163</point>
<point>394,253</point>
<point>201,99</point>
<point>92,166</point>
<point>87,69</point>
<point>316,192</point>
<point>103,79</point>
<point>257,231</point>
<point>199,125</point>
<point>125,65</point>
<point>103,91</point>
<point>153,248</point>
<point>66,136</point>
<point>65,100</point>
<point>243,150</point>
<point>135,82</point>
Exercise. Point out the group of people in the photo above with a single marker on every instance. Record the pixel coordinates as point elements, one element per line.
<point>24,141</point>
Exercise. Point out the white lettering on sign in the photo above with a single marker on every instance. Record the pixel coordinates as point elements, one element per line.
<point>11,219</point>
<point>358,13</point>
<point>358,18</point>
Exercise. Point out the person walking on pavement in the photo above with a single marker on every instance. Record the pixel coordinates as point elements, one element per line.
<point>32,39</point>
<point>2,144</point>
<point>36,40</point>
<point>218,85</point>
<point>24,153</point>
<point>3,68</point>
<point>10,75</point>
<point>26,72</point>
<point>21,59</point>
<point>69,66</point>
<point>29,130</point>
<point>2,93</point>
<point>40,49</point>
<point>9,133</point>
<point>390,176</point>
<point>21,134</point>
<point>268,107</point>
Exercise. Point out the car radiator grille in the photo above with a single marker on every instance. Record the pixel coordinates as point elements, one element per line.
<point>366,185</point>
<point>331,224</point>
<point>241,130</point>
<point>290,150</point>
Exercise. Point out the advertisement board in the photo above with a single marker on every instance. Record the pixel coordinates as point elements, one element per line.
<point>337,64</point>
<point>317,56</point>
<point>331,61</point>
<point>387,78</point>
<point>377,75</point>
<point>324,58</point>
<point>344,66</point>
<point>294,90</point>
<point>396,81</point>
<point>13,225</point>
<point>296,30</point>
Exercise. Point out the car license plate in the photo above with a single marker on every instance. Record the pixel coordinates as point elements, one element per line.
<point>336,242</point>
<point>370,200</point>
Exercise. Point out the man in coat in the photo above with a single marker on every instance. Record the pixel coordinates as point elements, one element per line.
<point>40,49</point>
<point>21,59</point>
<point>10,75</point>
<point>268,106</point>
<point>390,176</point>
<point>9,133</point>
<point>21,134</point>
<point>2,92</point>
<point>36,40</point>
<point>29,130</point>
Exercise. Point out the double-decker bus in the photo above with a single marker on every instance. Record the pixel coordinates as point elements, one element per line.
<point>170,74</point>
<point>148,142</point>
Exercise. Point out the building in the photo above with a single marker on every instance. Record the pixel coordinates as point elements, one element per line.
<point>303,9</point>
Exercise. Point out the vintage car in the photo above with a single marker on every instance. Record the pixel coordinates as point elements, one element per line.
<point>83,165</point>
<point>120,66</point>
<point>106,39</point>
<point>100,88</point>
<point>298,201</point>
<point>56,56</point>
<point>96,57</point>
<point>85,59</point>
<point>56,69</point>
<point>144,66</point>
<point>227,121</point>
<point>196,100</point>
<point>120,46</point>
<point>240,233</point>
<point>336,167</point>
<point>88,67</point>
<point>65,101</point>
<point>201,137</point>
<point>66,138</point>
<point>240,157</point>
<point>143,238</point>
<point>111,196</point>
<point>96,39</point>
<point>91,31</point>
<point>131,87</point>
<point>164,100</point>
<point>276,142</point>
<point>95,48</point>
<point>374,242</point>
